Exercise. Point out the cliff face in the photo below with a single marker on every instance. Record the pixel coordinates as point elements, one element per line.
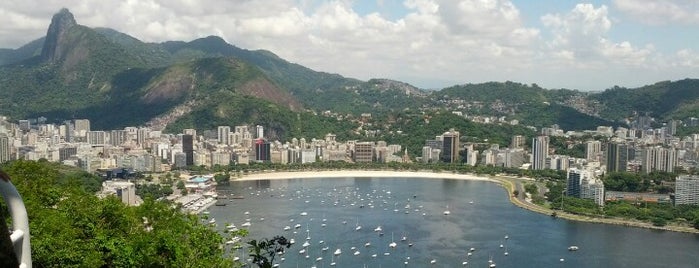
<point>54,46</point>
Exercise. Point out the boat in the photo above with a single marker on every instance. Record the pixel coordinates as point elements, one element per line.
<point>378,229</point>
<point>393,243</point>
<point>246,224</point>
<point>287,228</point>
<point>447,212</point>
<point>359,227</point>
<point>433,261</point>
<point>305,244</point>
<point>337,252</point>
<point>292,241</point>
<point>356,253</point>
<point>573,248</point>
<point>332,260</point>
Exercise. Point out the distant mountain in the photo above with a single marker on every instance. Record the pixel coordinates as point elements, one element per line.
<point>664,100</point>
<point>31,49</point>
<point>530,104</point>
<point>117,80</point>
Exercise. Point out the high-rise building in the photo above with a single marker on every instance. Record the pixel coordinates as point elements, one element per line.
<point>363,152</point>
<point>224,134</point>
<point>593,150</point>
<point>142,136</point>
<point>82,126</point>
<point>260,130</point>
<point>583,184</point>
<point>188,149</point>
<point>4,148</point>
<point>67,152</point>
<point>450,147</point>
<point>69,131</point>
<point>574,181</point>
<point>517,142</point>
<point>672,127</point>
<point>617,157</point>
<point>262,150</point>
<point>687,190</point>
<point>540,151</point>
<point>593,189</point>
<point>96,137</point>
<point>658,159</point>
<point>117,137</point>
<point>190,131</point>
<point>24,125</point>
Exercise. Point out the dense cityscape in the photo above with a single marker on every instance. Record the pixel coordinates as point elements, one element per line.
<point>465,133</point>
<point>639,149</point>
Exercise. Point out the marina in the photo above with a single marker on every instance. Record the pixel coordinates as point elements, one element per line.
<point>482,228</point>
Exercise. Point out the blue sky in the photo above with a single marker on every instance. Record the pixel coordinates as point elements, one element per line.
<point>591,45</point>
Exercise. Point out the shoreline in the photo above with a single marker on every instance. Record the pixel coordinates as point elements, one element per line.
<point>506,182</point>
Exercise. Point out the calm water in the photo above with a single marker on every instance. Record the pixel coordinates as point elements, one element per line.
<point>480,218</point>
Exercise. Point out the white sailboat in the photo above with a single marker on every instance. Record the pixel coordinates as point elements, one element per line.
<point>359,227</point>
<point>447,212</point>
<point>393,244</point>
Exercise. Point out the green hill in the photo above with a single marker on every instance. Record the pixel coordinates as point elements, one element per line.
<point>530,105</point>
<point>664,100</point>
<point>116,80</point>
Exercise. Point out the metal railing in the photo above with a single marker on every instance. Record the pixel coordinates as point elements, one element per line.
<point>20,223</point>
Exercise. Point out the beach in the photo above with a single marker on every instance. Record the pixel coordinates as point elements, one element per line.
<point>508,183</point>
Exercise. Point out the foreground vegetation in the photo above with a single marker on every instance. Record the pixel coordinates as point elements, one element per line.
<point>71,227</point>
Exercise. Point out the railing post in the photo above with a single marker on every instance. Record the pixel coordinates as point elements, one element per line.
<point>20,223</point>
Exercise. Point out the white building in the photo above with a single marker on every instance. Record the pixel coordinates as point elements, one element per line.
<point>126,191</point>
<point>687,190</point>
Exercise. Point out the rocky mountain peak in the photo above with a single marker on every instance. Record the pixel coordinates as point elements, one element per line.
<point>60,24</point>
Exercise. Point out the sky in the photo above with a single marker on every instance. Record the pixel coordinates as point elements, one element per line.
<point>432,44</point>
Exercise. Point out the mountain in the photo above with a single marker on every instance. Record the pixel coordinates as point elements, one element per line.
<point>116,80</point>
<point>664,100</point>
<point>530,104</point>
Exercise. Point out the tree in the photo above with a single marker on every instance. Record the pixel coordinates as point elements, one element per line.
<point>180,185</point>
<point>222,178</point>
<point>71,227</point>
<point>264,251</point>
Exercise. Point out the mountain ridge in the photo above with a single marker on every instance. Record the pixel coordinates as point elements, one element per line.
<point>80,71</point>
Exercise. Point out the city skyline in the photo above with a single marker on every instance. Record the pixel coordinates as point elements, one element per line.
<point>432,44</point>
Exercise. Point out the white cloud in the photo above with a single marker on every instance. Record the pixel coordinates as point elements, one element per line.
<point>581,38</point>
<point>436,41</point>
<point>661,11</point>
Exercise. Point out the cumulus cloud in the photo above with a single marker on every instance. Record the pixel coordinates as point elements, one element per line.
<point>434,43</point>
<point>580,37</point>
<point>661,11</point>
